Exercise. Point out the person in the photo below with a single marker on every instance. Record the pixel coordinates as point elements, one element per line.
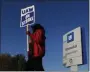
<point>36,48</point>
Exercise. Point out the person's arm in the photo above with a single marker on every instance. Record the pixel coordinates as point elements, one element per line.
<point>37,36</point>
<point>28,33</point>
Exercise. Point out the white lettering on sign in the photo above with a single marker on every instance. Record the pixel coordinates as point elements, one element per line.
<point>27,20</point>
<point>27,16</point>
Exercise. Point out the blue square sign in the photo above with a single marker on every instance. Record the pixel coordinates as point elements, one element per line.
<point>70,37</point>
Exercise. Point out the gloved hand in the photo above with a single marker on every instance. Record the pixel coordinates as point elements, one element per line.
<point>27,32</point>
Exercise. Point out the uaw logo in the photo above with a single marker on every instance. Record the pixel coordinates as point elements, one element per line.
<point>69,37</point>
<point>27,16</point>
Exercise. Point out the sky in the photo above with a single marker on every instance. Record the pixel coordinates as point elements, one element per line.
<point>57,17</point>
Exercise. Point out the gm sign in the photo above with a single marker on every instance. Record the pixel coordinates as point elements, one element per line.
<point>72,47</point>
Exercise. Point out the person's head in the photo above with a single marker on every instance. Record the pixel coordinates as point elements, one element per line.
<point>37,26</point>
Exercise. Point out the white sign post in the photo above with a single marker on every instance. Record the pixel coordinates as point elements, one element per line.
<point>72,49</point>
<point>27,29</point>
<point>27,18</point>
<point>74,68</point>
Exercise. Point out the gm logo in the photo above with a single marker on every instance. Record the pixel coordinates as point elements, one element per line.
<point>70,37</point>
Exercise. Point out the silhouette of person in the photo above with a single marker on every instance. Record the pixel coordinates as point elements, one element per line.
<point>36,48</point>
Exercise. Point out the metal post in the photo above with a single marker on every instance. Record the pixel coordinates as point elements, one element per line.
<point>74,68</point>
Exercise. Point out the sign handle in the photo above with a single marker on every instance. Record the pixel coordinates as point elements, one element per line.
<point>27,28</point>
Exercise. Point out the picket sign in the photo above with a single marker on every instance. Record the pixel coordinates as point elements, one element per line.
<point>27,18</point>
